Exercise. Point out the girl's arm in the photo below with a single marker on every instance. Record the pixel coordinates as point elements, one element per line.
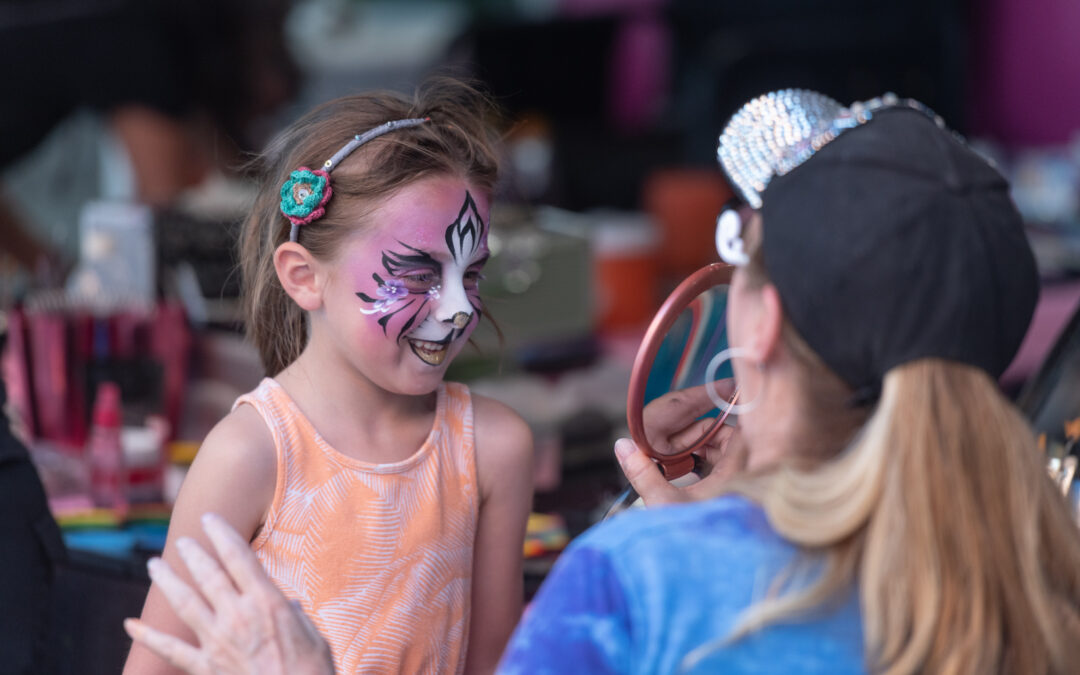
<point>504,470</point>
<point>233,476</point>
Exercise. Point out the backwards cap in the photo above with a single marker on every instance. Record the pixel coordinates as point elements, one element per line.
<point>887,237</point>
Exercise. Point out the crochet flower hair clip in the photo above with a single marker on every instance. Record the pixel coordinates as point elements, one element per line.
<point>305,193</point>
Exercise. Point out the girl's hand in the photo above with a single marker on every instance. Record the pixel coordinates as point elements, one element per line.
<point>248,626</point>
<point>673,423</point>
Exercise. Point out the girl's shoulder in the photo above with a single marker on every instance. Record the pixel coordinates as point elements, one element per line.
<point>504,442</point>
<point>234,475</point>
<point>492,417</point>
<point>240,449</point>
<point>243,430</point>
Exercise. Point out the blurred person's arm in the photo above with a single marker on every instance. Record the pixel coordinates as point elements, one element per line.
<point>168,154</point>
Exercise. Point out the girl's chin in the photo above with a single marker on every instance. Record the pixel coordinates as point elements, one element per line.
<point>419,386</point>
<point>420,377</point>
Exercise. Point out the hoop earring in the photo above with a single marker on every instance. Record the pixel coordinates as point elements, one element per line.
<point>710,382</point>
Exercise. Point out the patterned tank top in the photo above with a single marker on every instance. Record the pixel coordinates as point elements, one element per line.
<point>378,555</point>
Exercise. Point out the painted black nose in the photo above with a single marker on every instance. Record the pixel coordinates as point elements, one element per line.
<point>461,319</point>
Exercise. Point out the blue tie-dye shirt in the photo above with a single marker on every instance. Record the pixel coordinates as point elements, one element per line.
<point>658,590</point>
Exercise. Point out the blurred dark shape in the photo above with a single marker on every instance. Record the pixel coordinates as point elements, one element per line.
<point>851,50</point>
<point>178,88</point>
<point>29,556</point>
<point>1051,397</point>
<point>223,59</point>
<point>723,53</point>
<point>561,69</point>
<point>207,244</point>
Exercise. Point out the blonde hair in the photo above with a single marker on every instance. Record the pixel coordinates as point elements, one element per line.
<point>940,510</point>
<point>460,140</point>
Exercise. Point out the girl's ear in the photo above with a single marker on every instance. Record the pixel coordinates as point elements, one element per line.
<point>300,274</point>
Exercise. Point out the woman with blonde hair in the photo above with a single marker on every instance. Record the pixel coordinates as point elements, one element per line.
<point>890,512</point>
<point>893,514</point>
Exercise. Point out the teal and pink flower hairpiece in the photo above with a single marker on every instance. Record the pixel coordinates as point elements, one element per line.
<point>305,193</point>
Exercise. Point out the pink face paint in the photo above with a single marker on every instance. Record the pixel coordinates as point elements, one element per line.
<point>424,287</point>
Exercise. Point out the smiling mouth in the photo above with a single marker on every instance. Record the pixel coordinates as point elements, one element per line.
<point>431,353</point>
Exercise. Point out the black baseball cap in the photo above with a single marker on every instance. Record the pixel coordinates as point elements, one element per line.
<point>888,238</point>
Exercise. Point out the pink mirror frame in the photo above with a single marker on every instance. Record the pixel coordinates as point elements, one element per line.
<point>682,463</point>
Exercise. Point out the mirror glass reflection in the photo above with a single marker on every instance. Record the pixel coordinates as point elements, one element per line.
<point>696,336</point>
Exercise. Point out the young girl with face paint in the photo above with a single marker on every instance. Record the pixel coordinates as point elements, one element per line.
<point>389,504</point>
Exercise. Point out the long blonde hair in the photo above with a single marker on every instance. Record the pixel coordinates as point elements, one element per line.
<point>939,510</point>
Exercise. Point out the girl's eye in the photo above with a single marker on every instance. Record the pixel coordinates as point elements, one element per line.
<point>473,278</point>
<point>420,282</point>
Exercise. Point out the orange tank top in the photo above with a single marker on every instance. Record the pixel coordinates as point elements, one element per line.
<point>378,555</point>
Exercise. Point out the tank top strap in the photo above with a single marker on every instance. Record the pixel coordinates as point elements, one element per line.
<point>291,442</point>
<point>457,425</point>
<point>277,410</point>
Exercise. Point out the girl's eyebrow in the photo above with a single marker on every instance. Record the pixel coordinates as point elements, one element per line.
<point>394,262</point>
<point>482,260</point>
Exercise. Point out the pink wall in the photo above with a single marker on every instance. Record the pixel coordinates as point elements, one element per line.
<point>1025,86</point>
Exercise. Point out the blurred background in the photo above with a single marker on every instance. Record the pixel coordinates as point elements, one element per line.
<point>127,124</point>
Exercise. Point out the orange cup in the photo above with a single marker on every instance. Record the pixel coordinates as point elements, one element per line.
<point>625,248</point>
<point>685,204</point>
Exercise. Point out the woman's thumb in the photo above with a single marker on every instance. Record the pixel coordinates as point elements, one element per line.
<point>643,474</point>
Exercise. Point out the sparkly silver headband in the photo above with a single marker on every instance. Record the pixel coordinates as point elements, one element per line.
<point>776,132</point>
<point>305,194</point>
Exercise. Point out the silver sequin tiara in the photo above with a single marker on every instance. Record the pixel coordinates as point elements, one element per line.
<point>778,131</point>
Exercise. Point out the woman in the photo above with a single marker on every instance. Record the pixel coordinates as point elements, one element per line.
<point>894,514</point>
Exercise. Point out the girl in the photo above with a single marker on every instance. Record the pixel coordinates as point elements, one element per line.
<point>372,492</point>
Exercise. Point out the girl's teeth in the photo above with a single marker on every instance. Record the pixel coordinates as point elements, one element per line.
<point>431,352</point>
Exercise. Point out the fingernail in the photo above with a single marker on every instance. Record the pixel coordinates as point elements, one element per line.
<point>623,448</point>
<point>152,566</point>
<point>208,518</point>
<point>132,627</point>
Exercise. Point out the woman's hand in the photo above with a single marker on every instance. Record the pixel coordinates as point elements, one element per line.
<point>244,625</point>
<point>673,423</point>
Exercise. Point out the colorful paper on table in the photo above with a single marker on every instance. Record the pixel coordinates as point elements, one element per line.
<point>544,533</point>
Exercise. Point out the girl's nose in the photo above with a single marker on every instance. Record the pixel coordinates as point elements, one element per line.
<point>454,307</point>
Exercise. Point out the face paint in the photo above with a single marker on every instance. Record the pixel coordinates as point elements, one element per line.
<point>427,291</point>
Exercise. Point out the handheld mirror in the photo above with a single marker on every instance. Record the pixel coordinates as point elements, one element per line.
<point>676,353</point>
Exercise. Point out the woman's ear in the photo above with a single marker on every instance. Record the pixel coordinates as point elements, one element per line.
<point>300,275</point>
<point>769,324</point>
